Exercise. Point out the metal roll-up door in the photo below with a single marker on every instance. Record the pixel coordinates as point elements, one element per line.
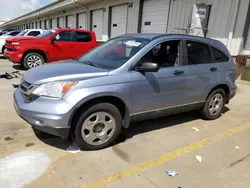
<point>81,20</point>
<point>47,24</point>
<point>61,22</point>
<point>154,16</point>
<point>119,16</point>
<point>54,23</point>
<point>70,21</point>
<point>247,43</point>
<point>97,23</point>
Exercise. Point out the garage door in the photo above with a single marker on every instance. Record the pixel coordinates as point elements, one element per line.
<point>247,44</point>
<point>154,16</point>
<point>61,22</point>
<point>54,23</point>
<point>97,23</point>
<point>70,21</point>
<point>119,16</point>
<point>81,18</point>
<point>47,24</point>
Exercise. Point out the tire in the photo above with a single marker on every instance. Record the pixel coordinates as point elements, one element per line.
<point>3,48</point>
<point>97,127</point>
<point>209,111</point>
<point>32,60</point>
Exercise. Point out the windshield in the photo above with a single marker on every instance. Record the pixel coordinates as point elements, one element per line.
<point>7,34</point>
<point>46,33</point>
<point>114,53</point>
<point>22,33</point>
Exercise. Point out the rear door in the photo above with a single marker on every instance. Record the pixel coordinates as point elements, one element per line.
<point>62,47</point>
<point>201,72</point>
<point>82,43</point>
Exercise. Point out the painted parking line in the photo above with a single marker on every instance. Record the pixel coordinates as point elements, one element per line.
<point>164,158</point>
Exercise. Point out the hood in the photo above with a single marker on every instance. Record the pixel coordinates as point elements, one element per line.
<point>4,36</point>
<point>18,38</point>
<point>68,70</point>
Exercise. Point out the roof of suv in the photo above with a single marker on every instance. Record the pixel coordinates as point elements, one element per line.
<point>153,36</point>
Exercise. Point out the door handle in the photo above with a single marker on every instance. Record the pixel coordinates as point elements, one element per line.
<point>213,69</point>
<point>177,72</point>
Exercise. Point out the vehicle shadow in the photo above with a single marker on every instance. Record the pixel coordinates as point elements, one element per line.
<point>18,67</point>
<point>134,129</point>
<point>2,57</point>
<point>157,124</point>
<point>52,140</point>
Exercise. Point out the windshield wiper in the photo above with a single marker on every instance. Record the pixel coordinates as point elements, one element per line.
<point>91,64</point>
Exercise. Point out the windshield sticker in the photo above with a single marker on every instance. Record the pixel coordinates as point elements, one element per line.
<point>133,43</point>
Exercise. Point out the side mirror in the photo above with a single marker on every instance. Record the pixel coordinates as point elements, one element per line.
<point>149,67</point>
<point>52,41</point>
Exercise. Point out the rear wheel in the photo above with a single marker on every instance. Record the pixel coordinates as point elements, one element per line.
<point>32,60</point>
<point>214,105</point>
<point>98,127</point>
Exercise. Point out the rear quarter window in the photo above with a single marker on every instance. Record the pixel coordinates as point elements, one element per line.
<point>83,37</point>
<point>219,56</point>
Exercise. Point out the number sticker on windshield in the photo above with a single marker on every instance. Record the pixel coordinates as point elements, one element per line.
<point>133,43</point>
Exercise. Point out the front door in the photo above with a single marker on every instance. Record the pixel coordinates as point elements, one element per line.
<point>62,47</point>
<point>201,72</point>
<point>158,91</point>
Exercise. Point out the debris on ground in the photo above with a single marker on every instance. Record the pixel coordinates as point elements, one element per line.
<point>8,138</point>
<point>171,173</point>
<point>73,148</point>
<point>10,75</point>
<point>15,85</point>
<point>29,144</point>
<point>199,158</point>
<point>196,129</point>
<point>237,147</point>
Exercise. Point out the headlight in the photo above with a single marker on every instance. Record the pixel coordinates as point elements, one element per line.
<point>15,43</point>
<point>54,89</point>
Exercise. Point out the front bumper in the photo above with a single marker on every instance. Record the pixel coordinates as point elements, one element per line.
<point>45,114</point>
<point>14,57</point>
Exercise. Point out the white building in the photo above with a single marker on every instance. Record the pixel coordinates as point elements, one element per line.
<point>2,22</point>
<point>224,20</point>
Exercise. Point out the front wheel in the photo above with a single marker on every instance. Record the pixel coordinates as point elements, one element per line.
<point>214,105</point>
<point>32,60</point>
<point>98,127</point>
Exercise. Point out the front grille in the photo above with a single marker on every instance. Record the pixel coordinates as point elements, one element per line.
<point>7,42</point>
<point>26,91</point>
<point>9,49</point>
<point>26,87</point>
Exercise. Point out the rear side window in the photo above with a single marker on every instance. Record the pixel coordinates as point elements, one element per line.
<point>198,53</point>
<point>219,56</point>
<point>83,37</point>
<point>33,33</point>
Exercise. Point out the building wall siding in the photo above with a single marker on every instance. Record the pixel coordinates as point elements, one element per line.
<point>226,21</point>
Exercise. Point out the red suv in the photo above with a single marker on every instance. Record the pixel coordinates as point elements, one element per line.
<point>52,45</point>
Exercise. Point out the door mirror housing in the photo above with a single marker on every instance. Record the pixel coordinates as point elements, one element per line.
<point>148,67</point>
<point>52,41</point>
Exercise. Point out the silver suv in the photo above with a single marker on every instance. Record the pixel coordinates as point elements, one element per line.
<point>129,78</point>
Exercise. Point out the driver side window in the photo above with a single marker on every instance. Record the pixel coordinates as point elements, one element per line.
<point>165,54</point>
<point>64,36</point>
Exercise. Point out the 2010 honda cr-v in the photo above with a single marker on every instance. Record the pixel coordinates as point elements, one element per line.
<point>129,78</point>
